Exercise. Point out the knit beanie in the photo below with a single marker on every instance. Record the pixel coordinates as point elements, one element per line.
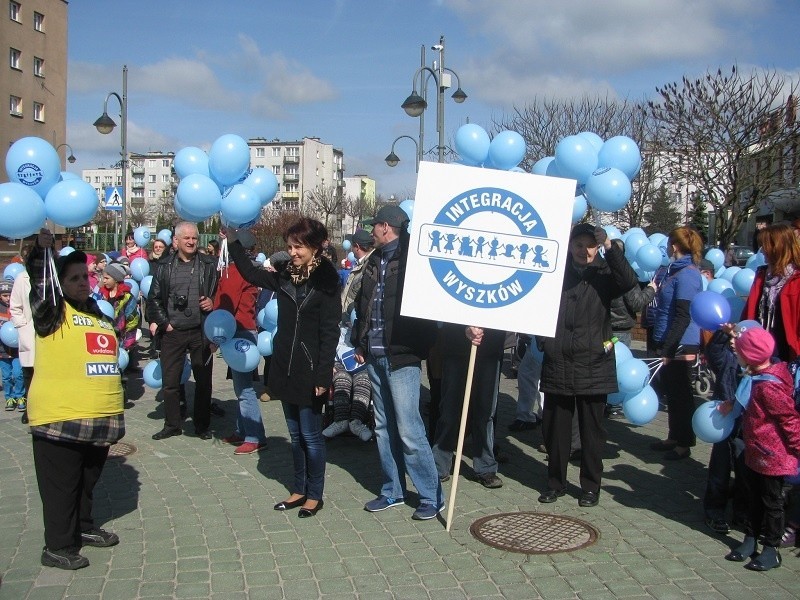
<point>755,346</point>
<point>5,287</point>
<point>115,271</point>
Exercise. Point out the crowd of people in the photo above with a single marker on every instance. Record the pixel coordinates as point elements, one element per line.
<point>345,360</point>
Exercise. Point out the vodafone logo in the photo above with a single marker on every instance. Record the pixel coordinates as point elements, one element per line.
<point>101,343</point>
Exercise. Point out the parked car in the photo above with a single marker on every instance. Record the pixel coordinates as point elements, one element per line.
<point>741,254</point>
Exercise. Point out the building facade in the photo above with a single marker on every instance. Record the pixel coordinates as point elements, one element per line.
<point>33,82</point>
<point>359,201</point>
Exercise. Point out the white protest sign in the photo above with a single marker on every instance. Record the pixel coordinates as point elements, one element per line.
<point>488,248</point>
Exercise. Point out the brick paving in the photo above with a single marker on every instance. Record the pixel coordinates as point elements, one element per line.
<point>197,522</point>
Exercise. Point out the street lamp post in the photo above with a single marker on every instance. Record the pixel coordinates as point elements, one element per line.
<point>105,125</point>
<point>71,158</point>
<point>416,104</point>
<point>392,159</point>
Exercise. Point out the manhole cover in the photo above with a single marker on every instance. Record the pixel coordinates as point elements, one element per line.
<point>534,533</point>
<point>121,449</point>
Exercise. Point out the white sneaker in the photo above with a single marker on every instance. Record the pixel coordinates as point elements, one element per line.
<point>335,428</point>
<point>360,430</point>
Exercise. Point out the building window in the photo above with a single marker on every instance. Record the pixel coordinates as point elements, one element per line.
<point>14,58</point>
<point>259,152</point>
<point>151,193</point>
<point>165,178</point>
<point>14,12</point>
<point>38,21</point>
<point>276,151</point>
<point>151,179</point>
<point>293,151</point>
<point>97,178</point>
<point>15,106</point>
<point>276,169</point>
<point>291,187</point>
<point>38,112</point>
<point>165,163</point>
<point>38,66</point>
<point>151,164</point>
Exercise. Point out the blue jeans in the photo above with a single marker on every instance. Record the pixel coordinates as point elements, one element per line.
<point>308,449</point>
<point>249,424</point>
<point>13,385</point>
<point>400,433</point>
<point>529,399</point>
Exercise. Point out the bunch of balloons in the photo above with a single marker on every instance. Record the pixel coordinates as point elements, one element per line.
<point>37,190</point>
<point>241,354</point>
<point>222,181</point>
<point>639,400</point>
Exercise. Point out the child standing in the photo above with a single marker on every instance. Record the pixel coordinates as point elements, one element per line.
<point>771,428</point>
<point>13,387</point>
<point>118,294</point>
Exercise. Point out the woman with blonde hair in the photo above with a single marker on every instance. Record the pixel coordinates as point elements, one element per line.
<point>678,338</point>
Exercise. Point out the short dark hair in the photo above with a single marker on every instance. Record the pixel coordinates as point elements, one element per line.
<point>308,232</point>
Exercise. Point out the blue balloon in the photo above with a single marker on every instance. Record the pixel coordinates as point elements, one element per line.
<point>66,250</point>
<point>743,281</point>
<point>743,326</point>
<point>621,353</point>
<point>553,170</point>
<point>271,313</point>
<point>608,189</point>
<point>191,161</point>
<point>595,140</point>
<point>472,144</point>
<point>634,241</point>
<point>151,374</point>
<point>34,163</point>
<point>579,208</point>
<point>721,286</point>
<point>540,166</point>
<point>620,152</point>
<point>131,283</point>
<point>737,306</point>
<point>577,158</point>
<point>265,343</point>
<point>649,257</point>
<point>719,272</point>
<point>616,398</point>
<point>346,245</point>
<point>144,285</point>
<point>9,335</point>
<point>12,270</point>
<point>613,232</point>
<point>408,207</point>
<point>228,159</point>
<point>165,235</point>
<point>657,238</point>
<point>710,310</point>
<point>241,355</point>
<point>632,375</point>
<point>71,203</point>
<point>261,258</point>
<point>730,272</point>
<point>106,308</point>
<point>142,235</point>
<point>240,206</point>
<point>716,256</point>
<point>65,175</point>
<point>264,183</point>
<point>710,425</point>
<point>507,150</point>
<point>219,326</point>
<point>140,268</point>
<point>197,196</point>
<point>351,257</point>
<point>123,359</point>
<point>641,408</point>
<point>755,261</point>
<point>22,211</point>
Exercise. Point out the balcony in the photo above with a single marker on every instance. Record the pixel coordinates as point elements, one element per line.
<point>137,184</point>
<point>137,170</point>
<point>290,196</point>
<point>291,160</point>
<point>291,177</point>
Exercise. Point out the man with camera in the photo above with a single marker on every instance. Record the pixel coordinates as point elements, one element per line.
<point>181,295</point>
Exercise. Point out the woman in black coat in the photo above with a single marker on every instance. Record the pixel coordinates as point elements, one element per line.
<point>301,370</point>
<point>579,371</point>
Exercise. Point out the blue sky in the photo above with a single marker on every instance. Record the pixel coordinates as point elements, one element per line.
<point>339,69</point>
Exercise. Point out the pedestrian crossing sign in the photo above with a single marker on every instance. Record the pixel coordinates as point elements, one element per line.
<point>113,199</point>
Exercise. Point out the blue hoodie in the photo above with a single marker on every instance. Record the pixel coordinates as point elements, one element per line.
<point>683,282</point>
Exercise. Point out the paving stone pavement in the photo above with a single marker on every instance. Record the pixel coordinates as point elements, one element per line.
<point>197,522</point>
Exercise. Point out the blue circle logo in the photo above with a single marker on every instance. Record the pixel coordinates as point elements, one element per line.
<point>29,174</point>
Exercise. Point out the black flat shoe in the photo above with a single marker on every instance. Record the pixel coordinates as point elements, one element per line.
<point>167,432</point>
<point>663,445</point>
<point>675,455</point>
<point>287,504</point>
<point>305,513</point>
<point>551,496</point>
<point>589,499</point>
<point>204,435</point>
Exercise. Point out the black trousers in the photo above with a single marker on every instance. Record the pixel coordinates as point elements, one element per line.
<point>677,384</point>
<point>766,507</point>
<point>174,346</point>
<point>557,418</point>
<point>67,473</point>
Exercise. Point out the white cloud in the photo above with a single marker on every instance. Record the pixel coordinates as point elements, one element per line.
<point>190,81</point>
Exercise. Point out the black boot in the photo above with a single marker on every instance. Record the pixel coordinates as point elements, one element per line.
<point>747,549</point>
<point>769,558</point>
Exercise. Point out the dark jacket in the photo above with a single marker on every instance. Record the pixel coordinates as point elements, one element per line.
<point>304,347</point>
<point>408,339</point>
<point>454,342</point>
<point>158,298</point>
<point>575,362</point>
<point>625,307</point>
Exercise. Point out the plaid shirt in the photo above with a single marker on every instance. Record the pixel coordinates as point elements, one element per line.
<point>101,431</point>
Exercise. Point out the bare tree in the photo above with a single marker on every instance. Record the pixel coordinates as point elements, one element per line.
<point>357,208</point>
<point>324,201</point>
<point>727,137</point>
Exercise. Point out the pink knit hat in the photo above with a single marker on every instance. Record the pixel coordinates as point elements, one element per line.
<point>756,346</point>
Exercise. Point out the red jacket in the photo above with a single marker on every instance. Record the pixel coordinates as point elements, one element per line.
<point>132,254</point>
<point>789,304</point>
<point>771,425</point>
<point>238,297</point>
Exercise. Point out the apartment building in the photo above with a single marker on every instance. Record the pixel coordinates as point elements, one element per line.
<point>34,80</point>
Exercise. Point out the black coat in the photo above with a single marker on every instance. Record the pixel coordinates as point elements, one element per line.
<point>304,348</point>
<point>158,298</point>
<point>575,362</point>
<point>408,339</point>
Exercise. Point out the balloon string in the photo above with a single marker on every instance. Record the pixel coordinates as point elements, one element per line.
<point>656,370</point>
<point>50,269</point>
<point>224,258</point>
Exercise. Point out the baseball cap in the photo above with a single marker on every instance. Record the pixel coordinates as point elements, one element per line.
<point>706,265</point>
<point>582,229</point>
<point>362,238</point>
<point>392,215</point>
